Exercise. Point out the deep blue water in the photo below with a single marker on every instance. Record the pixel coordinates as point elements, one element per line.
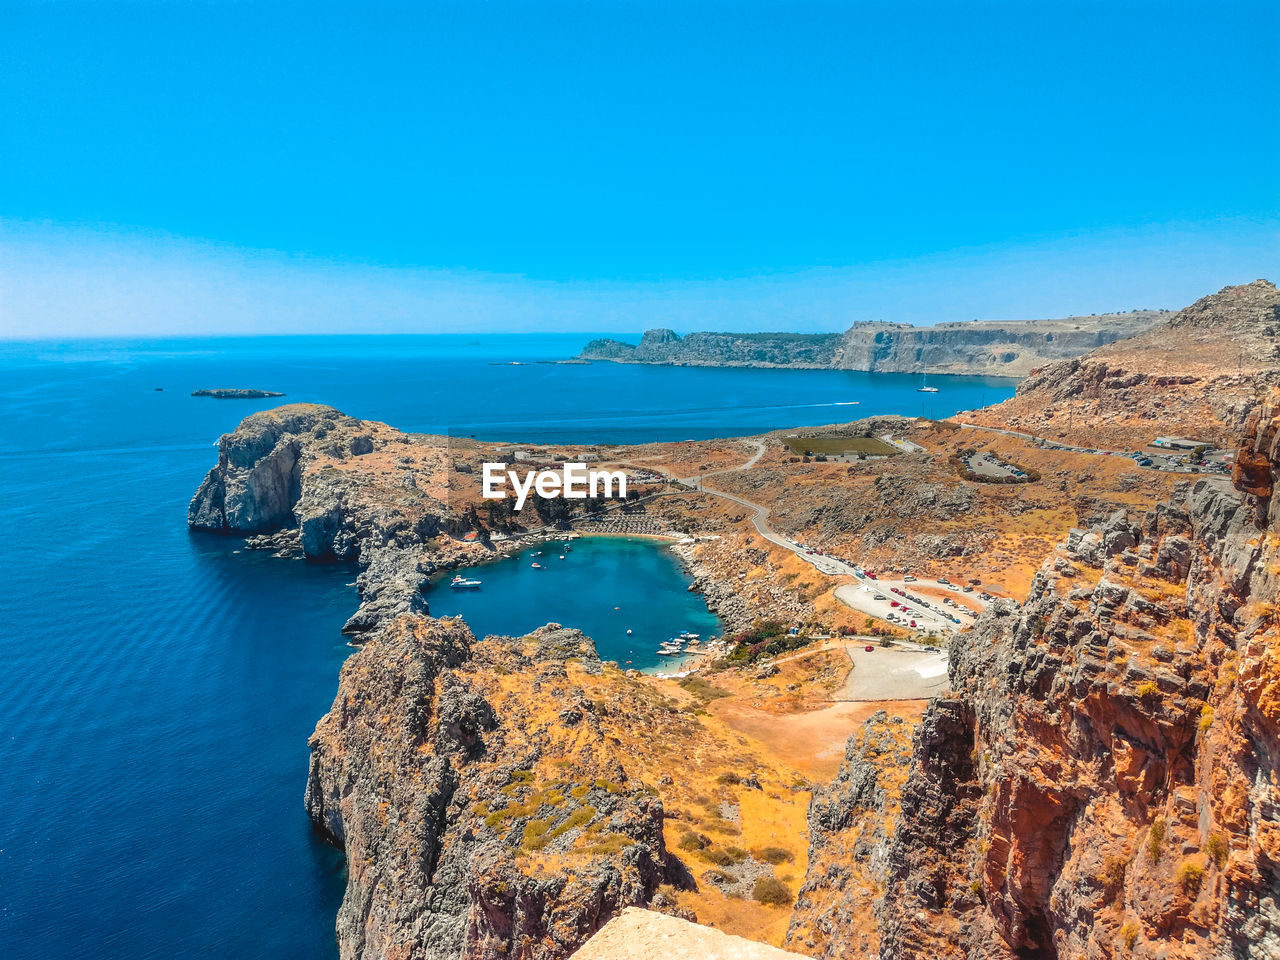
<point>604,586</point>
<point>160,687</point>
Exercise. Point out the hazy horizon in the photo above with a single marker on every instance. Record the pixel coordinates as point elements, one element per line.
<point>280,167</point>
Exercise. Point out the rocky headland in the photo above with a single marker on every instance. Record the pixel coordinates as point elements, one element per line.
<point>982,347</point>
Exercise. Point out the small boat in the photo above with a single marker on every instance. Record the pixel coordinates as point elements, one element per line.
<point>924,385</point>
<point>562,556</point>
<point>462,583</point>
<point>536,566</point>
<point>628,633</point>
<point>690,636</point>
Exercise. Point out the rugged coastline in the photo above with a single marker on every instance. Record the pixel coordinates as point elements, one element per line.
<point>979,348</point>
<point>1100,781</point>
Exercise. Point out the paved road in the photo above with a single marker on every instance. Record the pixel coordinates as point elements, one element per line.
<point>925,615</point>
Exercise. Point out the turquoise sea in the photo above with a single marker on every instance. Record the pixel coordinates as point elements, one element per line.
<point>604,586</point>
<point>161,685</point>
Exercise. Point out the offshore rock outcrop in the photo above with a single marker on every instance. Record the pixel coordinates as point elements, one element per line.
<point>1104,780</point>
<point>992,348</point>
<point>473,827</point>
<point>236,393</point>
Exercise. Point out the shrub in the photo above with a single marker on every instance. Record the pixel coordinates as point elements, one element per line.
<point>576,819</point>
<point>771,890</point>
<point>1113,870</point>
<point>721,858</point>
<point>774,855</point>
<point>1129,935</point>
<point>1206,717</point>
<point>1155,840</point>
<point>694,841</point>
<point>1148,690</point>
<point>1217,850</point>
<point>535,834</point>
<point>728,779</point>
<point>1190,877</point>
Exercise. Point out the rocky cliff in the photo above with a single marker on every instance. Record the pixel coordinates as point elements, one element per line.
<point>308,479</point>
<point>473,826</point>
<point>982,347</point>
<point>495,798</point>
<point>1197,374</point>
<point>1104,780</point>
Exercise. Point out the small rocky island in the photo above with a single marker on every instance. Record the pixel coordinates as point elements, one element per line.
<point>236,393</point>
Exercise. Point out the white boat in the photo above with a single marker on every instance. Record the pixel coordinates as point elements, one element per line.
<point>462,583</point>
<point>536,566</point>
<point>690,636</point>
<point>924,385</point>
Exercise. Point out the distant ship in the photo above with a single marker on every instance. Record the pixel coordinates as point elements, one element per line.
<point>924,385</point>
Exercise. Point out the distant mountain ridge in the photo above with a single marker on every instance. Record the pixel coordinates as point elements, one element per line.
<point>983,347</point>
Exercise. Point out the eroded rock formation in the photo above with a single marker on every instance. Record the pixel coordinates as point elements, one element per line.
<point>473,825</point>
<point>1103,781</point>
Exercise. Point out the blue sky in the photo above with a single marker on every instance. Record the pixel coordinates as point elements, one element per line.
<point>613,163</point>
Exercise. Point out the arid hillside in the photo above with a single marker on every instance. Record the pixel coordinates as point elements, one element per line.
<point>1197,374</point>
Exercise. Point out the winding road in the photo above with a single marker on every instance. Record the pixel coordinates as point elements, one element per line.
<point>927,615</point>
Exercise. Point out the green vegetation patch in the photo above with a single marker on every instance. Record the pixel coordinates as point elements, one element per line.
<point>771,890</point>
<point>704,691</point>
<point>840,446</point>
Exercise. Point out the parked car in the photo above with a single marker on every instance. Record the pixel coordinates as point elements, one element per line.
<point>869,648</point>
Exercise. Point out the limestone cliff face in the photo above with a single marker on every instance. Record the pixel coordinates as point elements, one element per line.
<point>283,474</point>
<point>474,828</point>
<point>1104,780</point>
<point>258,481</point>
<point>983,347</point>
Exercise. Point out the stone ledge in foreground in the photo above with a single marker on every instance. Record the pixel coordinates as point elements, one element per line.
<point>637,934</point>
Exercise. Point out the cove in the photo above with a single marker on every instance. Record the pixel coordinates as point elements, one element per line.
<point>603,586</point>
